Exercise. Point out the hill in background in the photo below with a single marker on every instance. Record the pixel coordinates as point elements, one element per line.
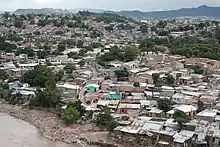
<point>201,11</point>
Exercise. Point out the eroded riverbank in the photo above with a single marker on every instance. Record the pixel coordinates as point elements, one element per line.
<point>52,128</point>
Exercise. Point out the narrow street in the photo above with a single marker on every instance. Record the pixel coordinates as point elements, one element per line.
<point>94,75</point>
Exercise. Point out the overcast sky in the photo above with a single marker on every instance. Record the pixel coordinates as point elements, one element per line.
<point>143,5</point>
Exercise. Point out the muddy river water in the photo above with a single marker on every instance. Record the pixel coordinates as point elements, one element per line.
<point>17,133</point>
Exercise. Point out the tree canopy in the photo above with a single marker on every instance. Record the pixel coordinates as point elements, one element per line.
<point>198,50</point>
<point>136,84</point>
<point>6,46</point>
<point>156,79</point>
<point>73,112</point>
<point>144,28</point>
<point>126,54</point>
<point>3,74</point>
<point>164,104</point>
<point>198,69</point>
<point>38,77</point>
<point>70,115</point>
<point>69,68</point>
<point>180,117</point>
<point>82,63</point>
<point>122,75</point>
<point>200,106</point>
<point>130,53</point>
<point>105,120</point>
<point>26,50</point>
<point>59,75</point>
<point>48,97</point>
<point>18,23</point>
<point>170,80</point>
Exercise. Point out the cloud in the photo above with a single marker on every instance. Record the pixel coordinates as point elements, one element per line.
<point>144,5</point>
<point>46,1</point>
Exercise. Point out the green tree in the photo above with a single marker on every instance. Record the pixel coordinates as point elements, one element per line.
<point>5,93</point>
<point>130,53</point>
<point>14,37</point>
<point>154,29</point>
<point>61,47</point>
<point>18,23</point>
<point>59,75</point>
<point>109,28</point>
<point>164,104</point>
<point>112,124</point>
<point>70,25</point>
<point>122,75</point>
<point>113,54</point>
<point>36,32</point>
<point>198,69</point>
<point>73,55</point>
<point>82,63</point>
<point>32,22</point>
<point>70,115</point>
<point>59,32</point>
<point>42,54</point>
<point>78,106</point>
<point>69,68</point>
<point>180,117</point>
<point>136,84</point>
<point>163,33</point>
<point>15,99</point>
<point>200,106</point>
<point>3,74</point>
<point>161,24</point>
<point>30,16</point>
<point>4,86</point>
<point>156,79</point>
<point>38,76</point>
<point>82,52</point>
<point>6,15</point>
<point>47,98</point>
<point>6,46</point>
<point>23,17</point>
<point>105,120</point>
<point>146,45</point>
<point>170,80</point>
<point>43,22</point>
<point>95,34</point>
<point>79,44</point>
<point>26,50</point>
<point>144,28</point>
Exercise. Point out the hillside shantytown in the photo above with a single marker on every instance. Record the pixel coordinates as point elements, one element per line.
<point>133,83</point>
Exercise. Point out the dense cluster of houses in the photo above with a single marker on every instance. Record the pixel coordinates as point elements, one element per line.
<point>139,104</point>
<point>134,107</point>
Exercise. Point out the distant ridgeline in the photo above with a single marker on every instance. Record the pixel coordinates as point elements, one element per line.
<point>41,11</point>
<point>201,11</point>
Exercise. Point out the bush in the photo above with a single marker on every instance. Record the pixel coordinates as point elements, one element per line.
<point>105,120</point>
<point>70,115</point>
<point>136,84</point>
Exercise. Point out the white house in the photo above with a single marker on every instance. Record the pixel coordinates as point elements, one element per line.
<point>68,90</point>
<point>187,109</point>
<point>28,66</point>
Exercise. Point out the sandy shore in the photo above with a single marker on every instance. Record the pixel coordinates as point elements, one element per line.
<point>52,128</point>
